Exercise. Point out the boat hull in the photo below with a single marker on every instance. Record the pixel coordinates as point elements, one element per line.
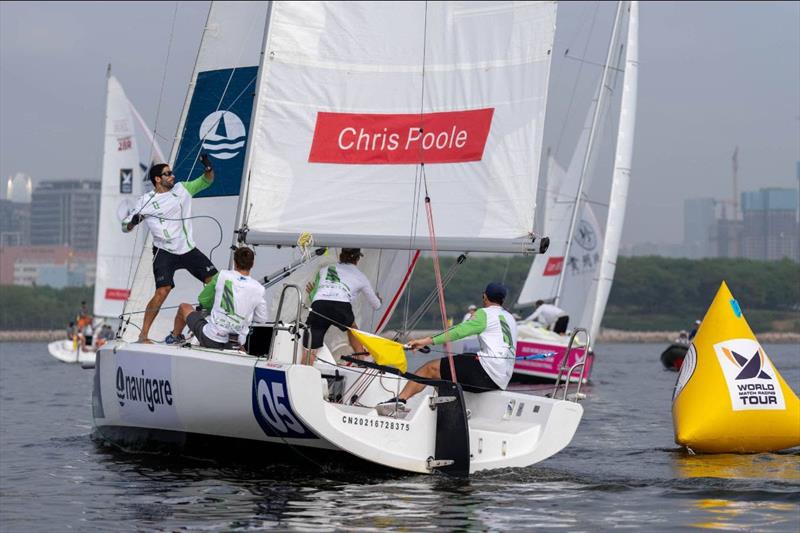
<point>146,393</point>
<point>534,341</point>
<point>672,357</point>
<point>64,351</point>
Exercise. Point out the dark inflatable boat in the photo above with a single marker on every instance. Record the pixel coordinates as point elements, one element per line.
<point>672,357</point>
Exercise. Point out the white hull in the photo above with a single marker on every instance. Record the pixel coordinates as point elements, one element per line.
<point>226,394</point>
<point>64,351</point>
<point>533,339</point>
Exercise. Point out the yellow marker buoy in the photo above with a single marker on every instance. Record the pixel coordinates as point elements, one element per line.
<point>729,398</point>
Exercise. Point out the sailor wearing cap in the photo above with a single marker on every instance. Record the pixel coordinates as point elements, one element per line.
<point>488,369</point>
<point>332,293</point>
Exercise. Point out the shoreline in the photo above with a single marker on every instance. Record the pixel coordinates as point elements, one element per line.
<point>606,335</point>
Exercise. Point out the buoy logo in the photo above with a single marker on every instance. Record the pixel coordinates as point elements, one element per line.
<point>749,375</point>
<point>222,134</point>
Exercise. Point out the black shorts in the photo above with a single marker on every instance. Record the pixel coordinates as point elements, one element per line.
<point>561,324</point>
<point>196,322</point>
<point>469,373</point>
<point>165,264</point>
<point>324,314</point>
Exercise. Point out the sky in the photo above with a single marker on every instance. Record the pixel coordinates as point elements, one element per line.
<point>712,76</point>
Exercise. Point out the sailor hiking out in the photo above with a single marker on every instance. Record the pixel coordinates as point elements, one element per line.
<point>488,369</point>
<point>332,293</point>
<point>167,212</point>
<point>236,300</point>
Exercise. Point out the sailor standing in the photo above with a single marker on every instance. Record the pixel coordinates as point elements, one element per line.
<point>332,294</point>
<point>167,212</point>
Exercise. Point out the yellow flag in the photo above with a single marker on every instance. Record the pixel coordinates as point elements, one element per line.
<point>384,351</point>
<point>729,396</point>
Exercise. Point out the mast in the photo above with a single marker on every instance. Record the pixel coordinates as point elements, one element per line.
<point>176,142</point>
<point>241,208</point>
<point>589,148</point>
<point>622,170</point>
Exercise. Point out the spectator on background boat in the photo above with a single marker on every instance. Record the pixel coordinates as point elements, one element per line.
<point>550,316</point>
<point>488,369</point>
<point>470,312</point>
<point>683,338</point>
<point>167,212</point>
<point>236,300</point>
<point>694,329</point>
<point>105,334</point>
<point>332,294</point>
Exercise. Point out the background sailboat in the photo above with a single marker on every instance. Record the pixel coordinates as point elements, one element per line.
<point>122,181</point>
<point>578,271</point>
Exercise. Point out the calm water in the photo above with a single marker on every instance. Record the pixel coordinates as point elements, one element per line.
<point>621,470</point>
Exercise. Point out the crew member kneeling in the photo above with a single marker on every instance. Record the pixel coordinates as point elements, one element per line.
<point>236,300</point>
<point>489,369</point>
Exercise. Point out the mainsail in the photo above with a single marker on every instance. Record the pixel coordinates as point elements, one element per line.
<point>579,256</point>
<point>364,108</point>
<point>121,185</point>
<point>622,169</point>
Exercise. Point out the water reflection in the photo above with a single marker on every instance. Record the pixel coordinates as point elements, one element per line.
<point>742,516</point>
<point>767,466</point>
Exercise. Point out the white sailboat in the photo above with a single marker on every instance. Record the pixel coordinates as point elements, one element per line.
<point>362,112</point>
<point>578,272</point>
<point>121,183</point>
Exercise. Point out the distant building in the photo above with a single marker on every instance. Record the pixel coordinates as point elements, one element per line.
<point>728,238</point>
<point>15,223</point>
<point>65,213</point>
<point>57,266</point>
<point>770,226</point>
<point>699,227</point>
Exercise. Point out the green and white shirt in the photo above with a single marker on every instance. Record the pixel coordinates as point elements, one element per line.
<point>341,283</point>
<point>497,334</point>
<point>167,215</point>
<point>236,301</point>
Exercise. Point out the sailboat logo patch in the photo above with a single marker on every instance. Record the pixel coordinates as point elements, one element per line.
<point>585,236</point>
<point>749,375</point>
<point>216,124</point>
<point>125,180</point>
<point>222,134</point>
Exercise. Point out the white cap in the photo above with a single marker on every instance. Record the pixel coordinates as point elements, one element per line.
<point>472,307</point>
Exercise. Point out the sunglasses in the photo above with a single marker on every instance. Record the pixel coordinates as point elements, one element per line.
<point>167,174</point>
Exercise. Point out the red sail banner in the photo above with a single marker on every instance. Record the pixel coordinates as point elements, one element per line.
<point>117,294</point>
<point>553,266</point>
<point>384,139</point>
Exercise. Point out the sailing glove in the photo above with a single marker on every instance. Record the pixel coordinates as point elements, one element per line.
<point>206,162</point>
<point>136,219</point>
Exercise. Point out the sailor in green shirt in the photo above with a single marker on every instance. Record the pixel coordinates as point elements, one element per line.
<point>167,213</point>
<point>488,369</point>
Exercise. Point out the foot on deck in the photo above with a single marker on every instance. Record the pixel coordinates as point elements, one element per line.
<point>392,407</point>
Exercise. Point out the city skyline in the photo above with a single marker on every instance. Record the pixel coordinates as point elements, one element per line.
<point>713,77</point>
